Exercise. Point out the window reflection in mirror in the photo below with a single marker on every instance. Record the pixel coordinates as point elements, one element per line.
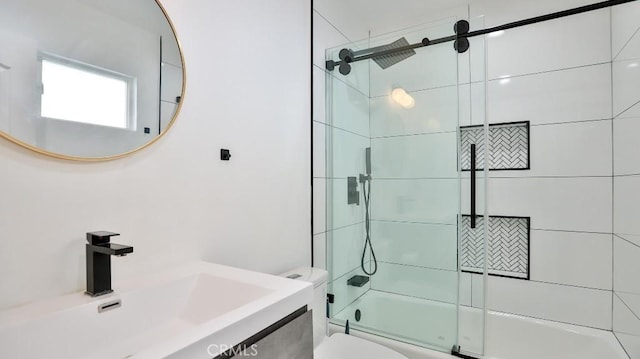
<point>78,92</point>
<point>87,78</point>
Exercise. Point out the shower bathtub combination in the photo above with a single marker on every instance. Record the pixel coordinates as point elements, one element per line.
<point>511,336</point>
<point>449,228</point>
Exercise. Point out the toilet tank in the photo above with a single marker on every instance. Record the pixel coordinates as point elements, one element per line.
<point>319,279</point>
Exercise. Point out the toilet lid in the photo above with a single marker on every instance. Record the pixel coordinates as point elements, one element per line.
<point>342,346</point>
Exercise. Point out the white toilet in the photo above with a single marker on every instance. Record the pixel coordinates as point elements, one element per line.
<point>337,346</point>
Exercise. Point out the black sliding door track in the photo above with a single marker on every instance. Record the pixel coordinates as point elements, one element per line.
<point>465,33</point>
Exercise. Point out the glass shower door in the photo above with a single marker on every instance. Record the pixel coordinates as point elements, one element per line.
<point>473,234</point>
<point>395,187</point>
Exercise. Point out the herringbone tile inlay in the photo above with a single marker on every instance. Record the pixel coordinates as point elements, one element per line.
<point>508,246</point>
<point>509,146</point>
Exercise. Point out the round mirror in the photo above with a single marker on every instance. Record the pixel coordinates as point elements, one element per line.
<point>88,79</point>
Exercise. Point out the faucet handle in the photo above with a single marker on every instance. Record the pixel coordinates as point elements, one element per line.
<point>100,237</point>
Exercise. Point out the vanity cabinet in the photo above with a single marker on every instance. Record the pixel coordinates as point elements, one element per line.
<point>289,338</point>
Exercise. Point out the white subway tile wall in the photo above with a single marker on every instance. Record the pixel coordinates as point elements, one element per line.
<point>584,111</point>
<point>579,40</point>
<point>588,307</point>
<point>626,170</point>
<point>590,257</point>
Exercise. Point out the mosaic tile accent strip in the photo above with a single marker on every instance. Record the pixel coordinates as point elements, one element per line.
<point>509,146</point>
<point>508,246</point>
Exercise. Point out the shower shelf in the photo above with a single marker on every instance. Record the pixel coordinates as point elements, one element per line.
<point>358,280</point>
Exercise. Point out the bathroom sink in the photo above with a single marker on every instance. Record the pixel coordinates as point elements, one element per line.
<point>192,311</point>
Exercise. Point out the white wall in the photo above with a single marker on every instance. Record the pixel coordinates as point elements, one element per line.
<point>177,201</point>
<point>626,126</point>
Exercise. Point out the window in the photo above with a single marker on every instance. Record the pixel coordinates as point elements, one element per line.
<point>79,92</point>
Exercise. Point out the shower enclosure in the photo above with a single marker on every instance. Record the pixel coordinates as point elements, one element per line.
<point>400,188</point>
<point>470,192</point>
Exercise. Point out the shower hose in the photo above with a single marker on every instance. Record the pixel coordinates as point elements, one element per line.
<point>366,188</point>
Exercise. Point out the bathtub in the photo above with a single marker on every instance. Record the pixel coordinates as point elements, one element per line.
<point>384,318</point>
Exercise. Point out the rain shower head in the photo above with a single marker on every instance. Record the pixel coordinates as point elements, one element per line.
<point>386,61</point>
<point>382,55</point>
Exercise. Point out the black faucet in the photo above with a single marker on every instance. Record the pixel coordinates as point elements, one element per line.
<point>99,252</point>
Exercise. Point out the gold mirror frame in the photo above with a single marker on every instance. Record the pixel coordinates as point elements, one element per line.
<point>128,153</point>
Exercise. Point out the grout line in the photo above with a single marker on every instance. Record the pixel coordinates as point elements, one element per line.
<point>543,282</point>
<point>453,224</point>
<point>324,71</point>
<point>632,293</point>
<point>341,80</point>
<point>546,177</point>
<point>619,342</point>
<point>628,175</point>
<point>341,129</point>
<point>413,134</point>
<point>418,266</point>
<point>569,285</point>
<point>625,110</point>
<point>413,178</point>
<point>479,274</point>
<point>532,125</point>
<point>613,147</point>
<point>338,228</point>
<point>626,240</point>
<point>628,307</point>
<point>568,231</point>
<point>412,222</point>
<point>501,78</point>
<point>335,27</point>
<point>628,333</point>
<point>550,71</point>
<point>542,318</point>
<point>569,122</point>
<point>430,89</point>
<point>614,58</point>
<point>421,27</point>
